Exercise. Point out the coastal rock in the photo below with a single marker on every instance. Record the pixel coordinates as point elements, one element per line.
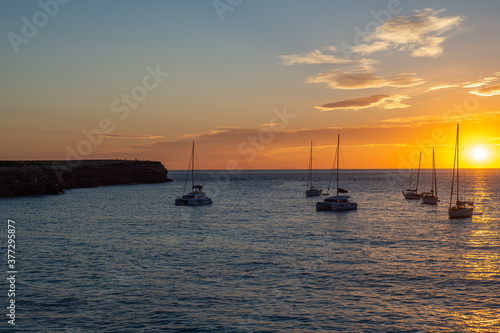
<point>23,178</point>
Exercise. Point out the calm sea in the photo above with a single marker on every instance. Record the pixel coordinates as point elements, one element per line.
<point>260,259</point>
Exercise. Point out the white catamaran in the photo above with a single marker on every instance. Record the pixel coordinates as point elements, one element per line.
<point>410,193</point>
<point>431,198</point>
<point>337,202</point>
<point>311,191</point>
<point>461,208</point>
<point>196,197</point>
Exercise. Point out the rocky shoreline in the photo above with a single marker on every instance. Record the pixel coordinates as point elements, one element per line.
<point>25,178</point>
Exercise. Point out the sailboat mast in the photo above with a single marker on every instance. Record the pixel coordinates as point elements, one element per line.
<point>458,163</point>
<point>434,178</point>
<point>338,158</point>
<point>454,163</point>
<point>418,174</point>
<point>192,167</point>
<point>309,173</point>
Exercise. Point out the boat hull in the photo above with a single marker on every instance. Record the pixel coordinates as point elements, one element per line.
<point>337,203</point>
<point>430,200</point>
<point>192,202</point>
<point>412,195</point>
<point>460,212</point>
<point>323,206</point>
<point>193,199</point>
<point>338,206</point>
<point>314,193</point>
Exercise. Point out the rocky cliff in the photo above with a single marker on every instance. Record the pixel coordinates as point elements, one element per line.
<point>22,178</point>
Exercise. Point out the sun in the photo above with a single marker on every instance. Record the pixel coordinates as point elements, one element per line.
<point>479,154</point>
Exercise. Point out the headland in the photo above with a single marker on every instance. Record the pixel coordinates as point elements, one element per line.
<point>24,178</point>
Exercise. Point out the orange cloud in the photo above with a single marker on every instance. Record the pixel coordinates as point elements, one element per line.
<point>493,77</point>
<point>131,136</point>
<point>377,101</point>
<point>377,145</point>
<point>338,79</point>
<point>487,91</point>
<point>439,119</point>
<point>443,86</point>
<point>492,90</point>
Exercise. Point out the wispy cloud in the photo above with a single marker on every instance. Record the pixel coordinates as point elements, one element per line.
<point>473,84</point>
<point>439,119</point>
<point>365,65</point>
<point>210,134</point>
<point>422,34</point>
<point>493,77</point>
<point>131,136</point>
<point>443,86</point>
<point>492,90</point>
<point>484,90</point>
<point>338,79</point>
<point>218,146</point>
<point>136,147</point>
<point>317,57</point>
<point>233,137</point>
<point>375,101</point>
<point>487,91</point>
<point>371,48</point>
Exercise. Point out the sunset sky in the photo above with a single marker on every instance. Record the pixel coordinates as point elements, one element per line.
<point>252,82</point>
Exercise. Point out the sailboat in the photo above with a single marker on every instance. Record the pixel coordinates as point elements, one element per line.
<point>311,191</point>
<point>431,197</point>
<point>337,202</point>
<point>461,208</point>
<point>413,194</point>
<point>196,197</point>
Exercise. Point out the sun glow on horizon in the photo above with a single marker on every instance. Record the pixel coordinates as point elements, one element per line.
<point>480,154</point>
